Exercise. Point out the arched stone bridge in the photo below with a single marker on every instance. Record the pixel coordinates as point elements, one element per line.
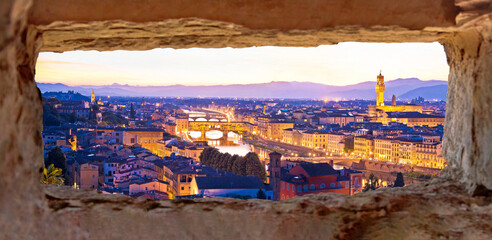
<point>224,127</point>
<point>206,117</point>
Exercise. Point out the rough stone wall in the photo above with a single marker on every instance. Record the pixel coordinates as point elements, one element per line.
<point>468,128</point>
<point>137,25</point>
<point>21,196</point>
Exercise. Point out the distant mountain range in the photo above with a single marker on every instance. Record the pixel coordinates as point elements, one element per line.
<point>407,88</point>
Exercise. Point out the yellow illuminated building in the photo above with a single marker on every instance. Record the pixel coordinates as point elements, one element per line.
<point>182,125</point>
<point>383,149</point>
<point>379,109</point>
<point>275,130</point>
<point>147,138</point>
<point>73,143</point>
<point>412,119</point>
<point>364,146</point>
<point>409,152</point>
<point>271,128</point>
<point>287,135</point>
<point>188,151</point>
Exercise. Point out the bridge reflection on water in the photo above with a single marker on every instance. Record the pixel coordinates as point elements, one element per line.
<point>211,126</point>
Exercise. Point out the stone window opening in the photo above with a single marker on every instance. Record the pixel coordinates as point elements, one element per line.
<point>462,26</point>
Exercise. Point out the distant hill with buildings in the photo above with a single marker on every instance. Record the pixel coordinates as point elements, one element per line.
<point>433,92</point>
<point>364,90</point>
<point>66,96</point>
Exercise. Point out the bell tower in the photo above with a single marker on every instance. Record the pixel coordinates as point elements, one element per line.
<point>380,90</point>
<point>275,166</point>
<point>93,97</point>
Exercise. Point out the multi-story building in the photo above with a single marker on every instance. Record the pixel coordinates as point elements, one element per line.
<point>414,152</point>
<point>79,108</point>
<point>429,155</point>
<point>287,135</point>
<point>181,124</point>
<point>412,119</point>
<point>275,129</point>
<point>133,167</point>
<point>314,140</point>
<point>229,186</point>
<point>147,138</point>
<point>54,138</point>
<point>364,146</point>
<point>89,176</point>
<point>307,139</point>
<point>272,127</point>
<point>110,168</point>
<point>313,178</point>
<point>150,187</point>
<point>335,142</point>
<point>185,149</point>
<point>170,127</point>
<point>406,152</point>
<point>383,148</point>
<point>341,118</point>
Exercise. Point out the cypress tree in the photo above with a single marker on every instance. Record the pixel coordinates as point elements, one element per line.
<point>132,112</point>
<point>260,194</point>
<point>399,182</point>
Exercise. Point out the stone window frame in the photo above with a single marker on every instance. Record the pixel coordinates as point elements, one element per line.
<point>462,27</point>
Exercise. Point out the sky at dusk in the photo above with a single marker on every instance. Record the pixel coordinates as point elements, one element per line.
<point>342,64</point>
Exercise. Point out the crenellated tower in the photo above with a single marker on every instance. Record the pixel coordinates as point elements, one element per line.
<point>380,90</point>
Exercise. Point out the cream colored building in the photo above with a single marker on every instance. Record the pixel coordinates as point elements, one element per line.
<point>147,138</point>
<point>364,146</point>
<point>335,142</point>
<point>383,148</point>
<point>89,176</point>
<point>275,130</point>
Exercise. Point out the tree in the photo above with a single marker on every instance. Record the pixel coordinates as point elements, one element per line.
<point>224,161</point>
<point>132,112</point>
<point>50,116</point>
<point>399,182</point>
<point>248,165</point>
<point>68,117</point>
<point>239,166</point>
<point>57,158</point>
<point>371,184</point>
<point>52,175</point>
<point>113,118</point>
<point>235,158</point>
<point>254,166</point>
<point>261,194</point>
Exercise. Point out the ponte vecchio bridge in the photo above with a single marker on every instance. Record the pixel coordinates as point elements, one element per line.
<point>206,121</point>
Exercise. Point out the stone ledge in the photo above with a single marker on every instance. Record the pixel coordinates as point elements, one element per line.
<point>438,209</point>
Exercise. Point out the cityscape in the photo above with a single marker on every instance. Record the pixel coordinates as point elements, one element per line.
<point>274,149</point>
